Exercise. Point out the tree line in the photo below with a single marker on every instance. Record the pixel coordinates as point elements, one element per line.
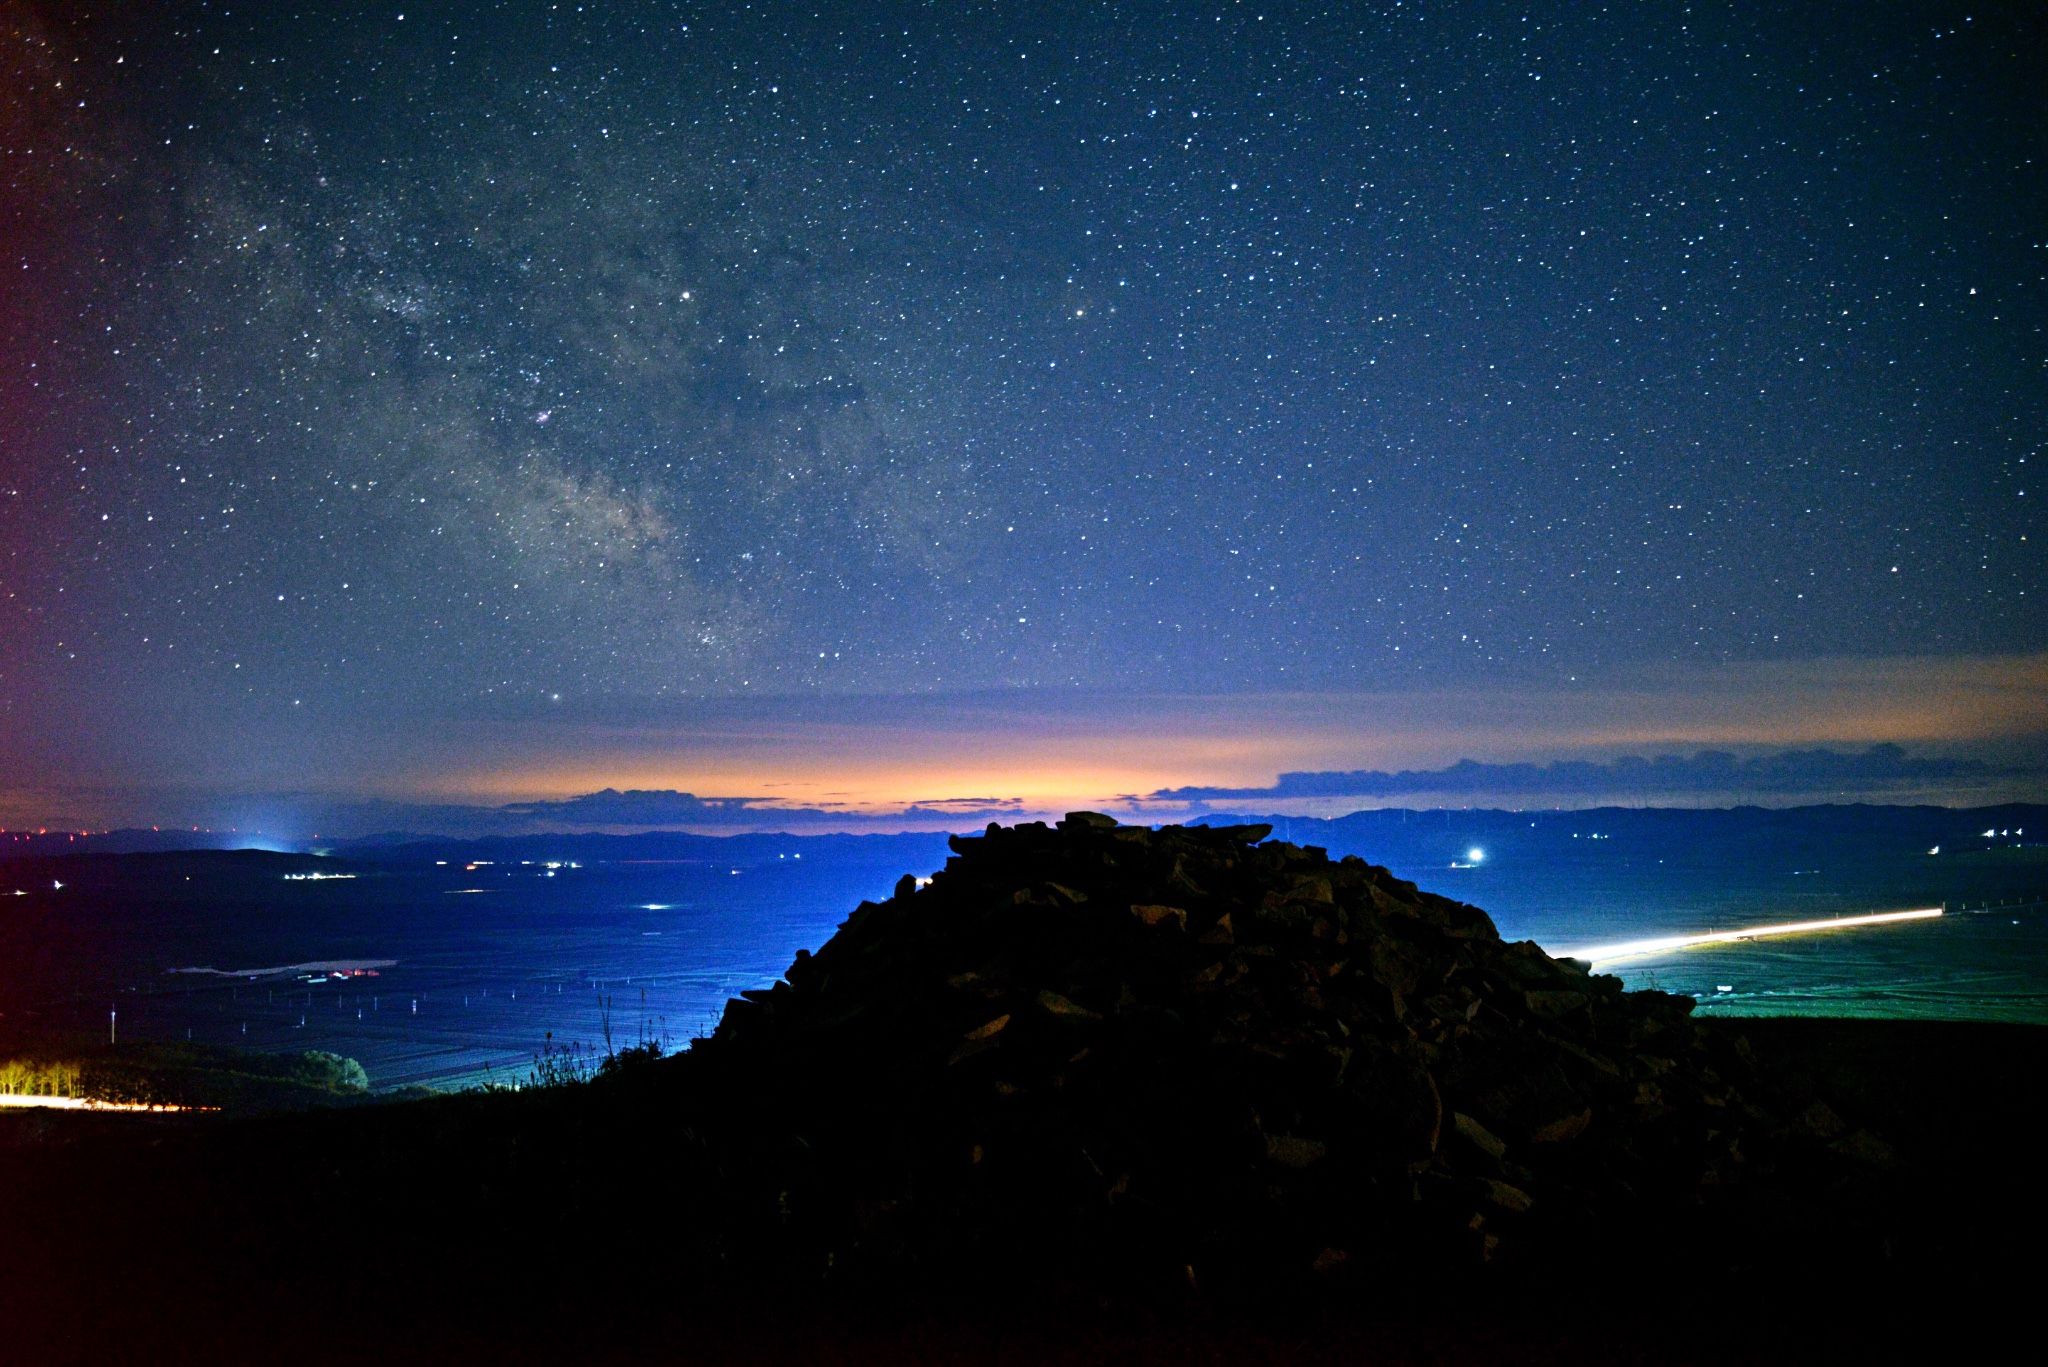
<point>25,1077</point>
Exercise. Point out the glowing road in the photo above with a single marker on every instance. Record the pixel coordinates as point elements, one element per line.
<point>73,1103</point>
<point>1601,955</point>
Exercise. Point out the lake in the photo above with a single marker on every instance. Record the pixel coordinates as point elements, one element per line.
<point>448,973</point>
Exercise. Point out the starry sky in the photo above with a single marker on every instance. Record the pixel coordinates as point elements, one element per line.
<point>864,405</point>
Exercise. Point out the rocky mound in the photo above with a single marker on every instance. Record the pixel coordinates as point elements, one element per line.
<point>1196,1054</point>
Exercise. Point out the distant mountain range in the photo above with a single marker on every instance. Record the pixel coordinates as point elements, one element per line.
<point>147,840</point>
<point>1384,835</point>
<point>1682,834</point>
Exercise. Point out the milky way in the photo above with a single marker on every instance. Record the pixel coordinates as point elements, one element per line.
<point>392,364</point>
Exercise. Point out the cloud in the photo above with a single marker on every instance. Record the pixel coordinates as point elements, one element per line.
<point>610,809</point>
<point>1879,769</point>
<point>653,807</point>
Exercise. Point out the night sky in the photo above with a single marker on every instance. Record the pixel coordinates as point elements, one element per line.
<point>885,403</point>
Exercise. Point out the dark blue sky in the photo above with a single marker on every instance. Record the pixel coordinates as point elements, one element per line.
<point>484,401</point>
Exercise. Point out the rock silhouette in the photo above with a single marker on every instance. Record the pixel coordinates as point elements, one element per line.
<point>1193,1052</point>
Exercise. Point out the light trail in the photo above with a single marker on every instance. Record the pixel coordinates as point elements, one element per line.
<point>1601,955</point>
<point>73,1103</point>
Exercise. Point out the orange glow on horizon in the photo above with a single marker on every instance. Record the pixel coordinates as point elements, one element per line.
<point>1053,754</point>
<point>1037,787</point>
<point>1048,751</point>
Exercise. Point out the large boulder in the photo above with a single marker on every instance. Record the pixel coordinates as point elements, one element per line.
<point>1196,1053</point>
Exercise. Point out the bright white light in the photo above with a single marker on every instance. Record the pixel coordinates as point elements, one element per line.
<point>1601,955</point>
<point>72,1103</point>
<point>1475,855</point>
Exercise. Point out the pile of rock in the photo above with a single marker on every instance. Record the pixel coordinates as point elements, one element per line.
<point>1199,1054</point>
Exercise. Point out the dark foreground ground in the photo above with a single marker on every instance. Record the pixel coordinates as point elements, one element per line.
<point>620,1222</point>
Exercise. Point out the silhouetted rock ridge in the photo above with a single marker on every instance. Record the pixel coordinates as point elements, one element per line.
<point>1194,1052</point>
